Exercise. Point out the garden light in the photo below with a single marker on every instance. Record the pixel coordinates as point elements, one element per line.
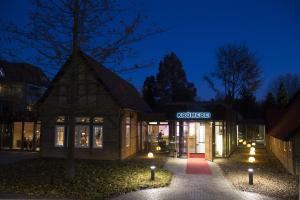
<point>158,148</point>
<point>248,145</point>
<point>150,155</point>
<point>250,175</point>
<point>241,141</point>
<point>251,159</point>
<point>152,170</point>
<point>253,143</point>
<point>244,143</point>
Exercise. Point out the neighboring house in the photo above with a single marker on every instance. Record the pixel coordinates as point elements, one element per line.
<point>283,134</point>
<point>21,85</point>
<point>105,109</point>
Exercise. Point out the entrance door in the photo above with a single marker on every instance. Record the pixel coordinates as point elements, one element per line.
<point>200,138</point>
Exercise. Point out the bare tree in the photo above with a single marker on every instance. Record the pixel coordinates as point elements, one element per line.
<point>237,69</point>
<point>106,30</point>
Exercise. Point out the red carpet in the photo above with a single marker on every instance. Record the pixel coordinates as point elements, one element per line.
<point>197,166</point>
<point>196,155</point>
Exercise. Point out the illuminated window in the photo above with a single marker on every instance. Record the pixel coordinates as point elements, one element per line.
<point>219,132</point>
<point>98,120</point>
<point>60,119</point>
<point>127,131</point>
<point>98,136</point>
<point>59,136</point>
<point>82,119</point>
<point>82,136</point>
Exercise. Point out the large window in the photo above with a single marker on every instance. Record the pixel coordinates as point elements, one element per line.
<point>82,136</point>
<point>98,136</point>
<point>59,135</point>
<point>127,131</point>
<point>219,132</point>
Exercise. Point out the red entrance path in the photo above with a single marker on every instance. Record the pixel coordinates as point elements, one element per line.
<point>196,164</point>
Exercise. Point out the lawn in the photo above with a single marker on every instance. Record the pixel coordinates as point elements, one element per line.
<point>94,179</point>
<point>270,177</point>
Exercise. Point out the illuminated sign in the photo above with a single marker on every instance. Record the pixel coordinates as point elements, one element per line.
<point>193,115</point>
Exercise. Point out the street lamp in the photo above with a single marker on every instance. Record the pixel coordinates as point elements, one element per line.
<point>250,175</point>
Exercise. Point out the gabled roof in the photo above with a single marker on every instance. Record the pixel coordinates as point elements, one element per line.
<point>283,124</point>
<point>22,73</point>
<point>122,91</point>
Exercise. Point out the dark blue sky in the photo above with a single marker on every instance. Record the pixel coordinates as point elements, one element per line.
<point>271,28</point>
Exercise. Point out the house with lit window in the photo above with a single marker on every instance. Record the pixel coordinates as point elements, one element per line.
<point>283,134</point>
<point>100,108</point>
<point>21,85</point>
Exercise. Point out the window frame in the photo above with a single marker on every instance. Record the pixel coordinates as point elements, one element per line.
<point>55,135</point>
<point>94,136</point>
<point>127,134</point>
<point>77,145</point>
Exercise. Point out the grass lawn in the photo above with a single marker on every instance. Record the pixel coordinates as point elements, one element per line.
<point>270,177</point>
<point>94,179</point>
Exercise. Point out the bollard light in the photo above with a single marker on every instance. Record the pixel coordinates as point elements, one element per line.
<point>251,159</point>
<point>152,171</point>
<point>250,175</point>
<point>150,155</point>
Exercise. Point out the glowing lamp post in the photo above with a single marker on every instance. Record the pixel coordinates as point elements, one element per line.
<point>251,159</point>
<point>150,155</point>
<point>152,167</point>
<point>250,174</point>
<point>152,170</point>
<point>158,148</point>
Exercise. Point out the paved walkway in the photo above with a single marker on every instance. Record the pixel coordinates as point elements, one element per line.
<point>192,187</point>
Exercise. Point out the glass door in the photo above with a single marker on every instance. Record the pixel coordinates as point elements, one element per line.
<point>200,135</point>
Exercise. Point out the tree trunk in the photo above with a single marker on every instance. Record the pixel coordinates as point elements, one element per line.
<point>70,165</point>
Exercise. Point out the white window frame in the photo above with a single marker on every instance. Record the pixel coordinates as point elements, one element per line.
<point>94,137</point>
<point>127,134</point>
<point>77,145</point>
<point>55,135</point>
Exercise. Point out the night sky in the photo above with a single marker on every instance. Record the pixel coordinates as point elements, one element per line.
<point>271,29</point>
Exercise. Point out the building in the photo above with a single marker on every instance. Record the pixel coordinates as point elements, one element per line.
<point>21,85</point>
<point>100,107</point>
<point>283,134</point>
<point>186,128</point>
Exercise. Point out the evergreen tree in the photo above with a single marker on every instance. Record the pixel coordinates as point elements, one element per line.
<point>282,95</point>
<point>247,105</point>
<point>150,91</point>
<point>269,100</point>
<point>172,84</point>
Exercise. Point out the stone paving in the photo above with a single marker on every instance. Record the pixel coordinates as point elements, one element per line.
<point>193,187</point>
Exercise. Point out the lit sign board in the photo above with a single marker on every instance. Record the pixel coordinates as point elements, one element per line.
<point>193,115</point>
